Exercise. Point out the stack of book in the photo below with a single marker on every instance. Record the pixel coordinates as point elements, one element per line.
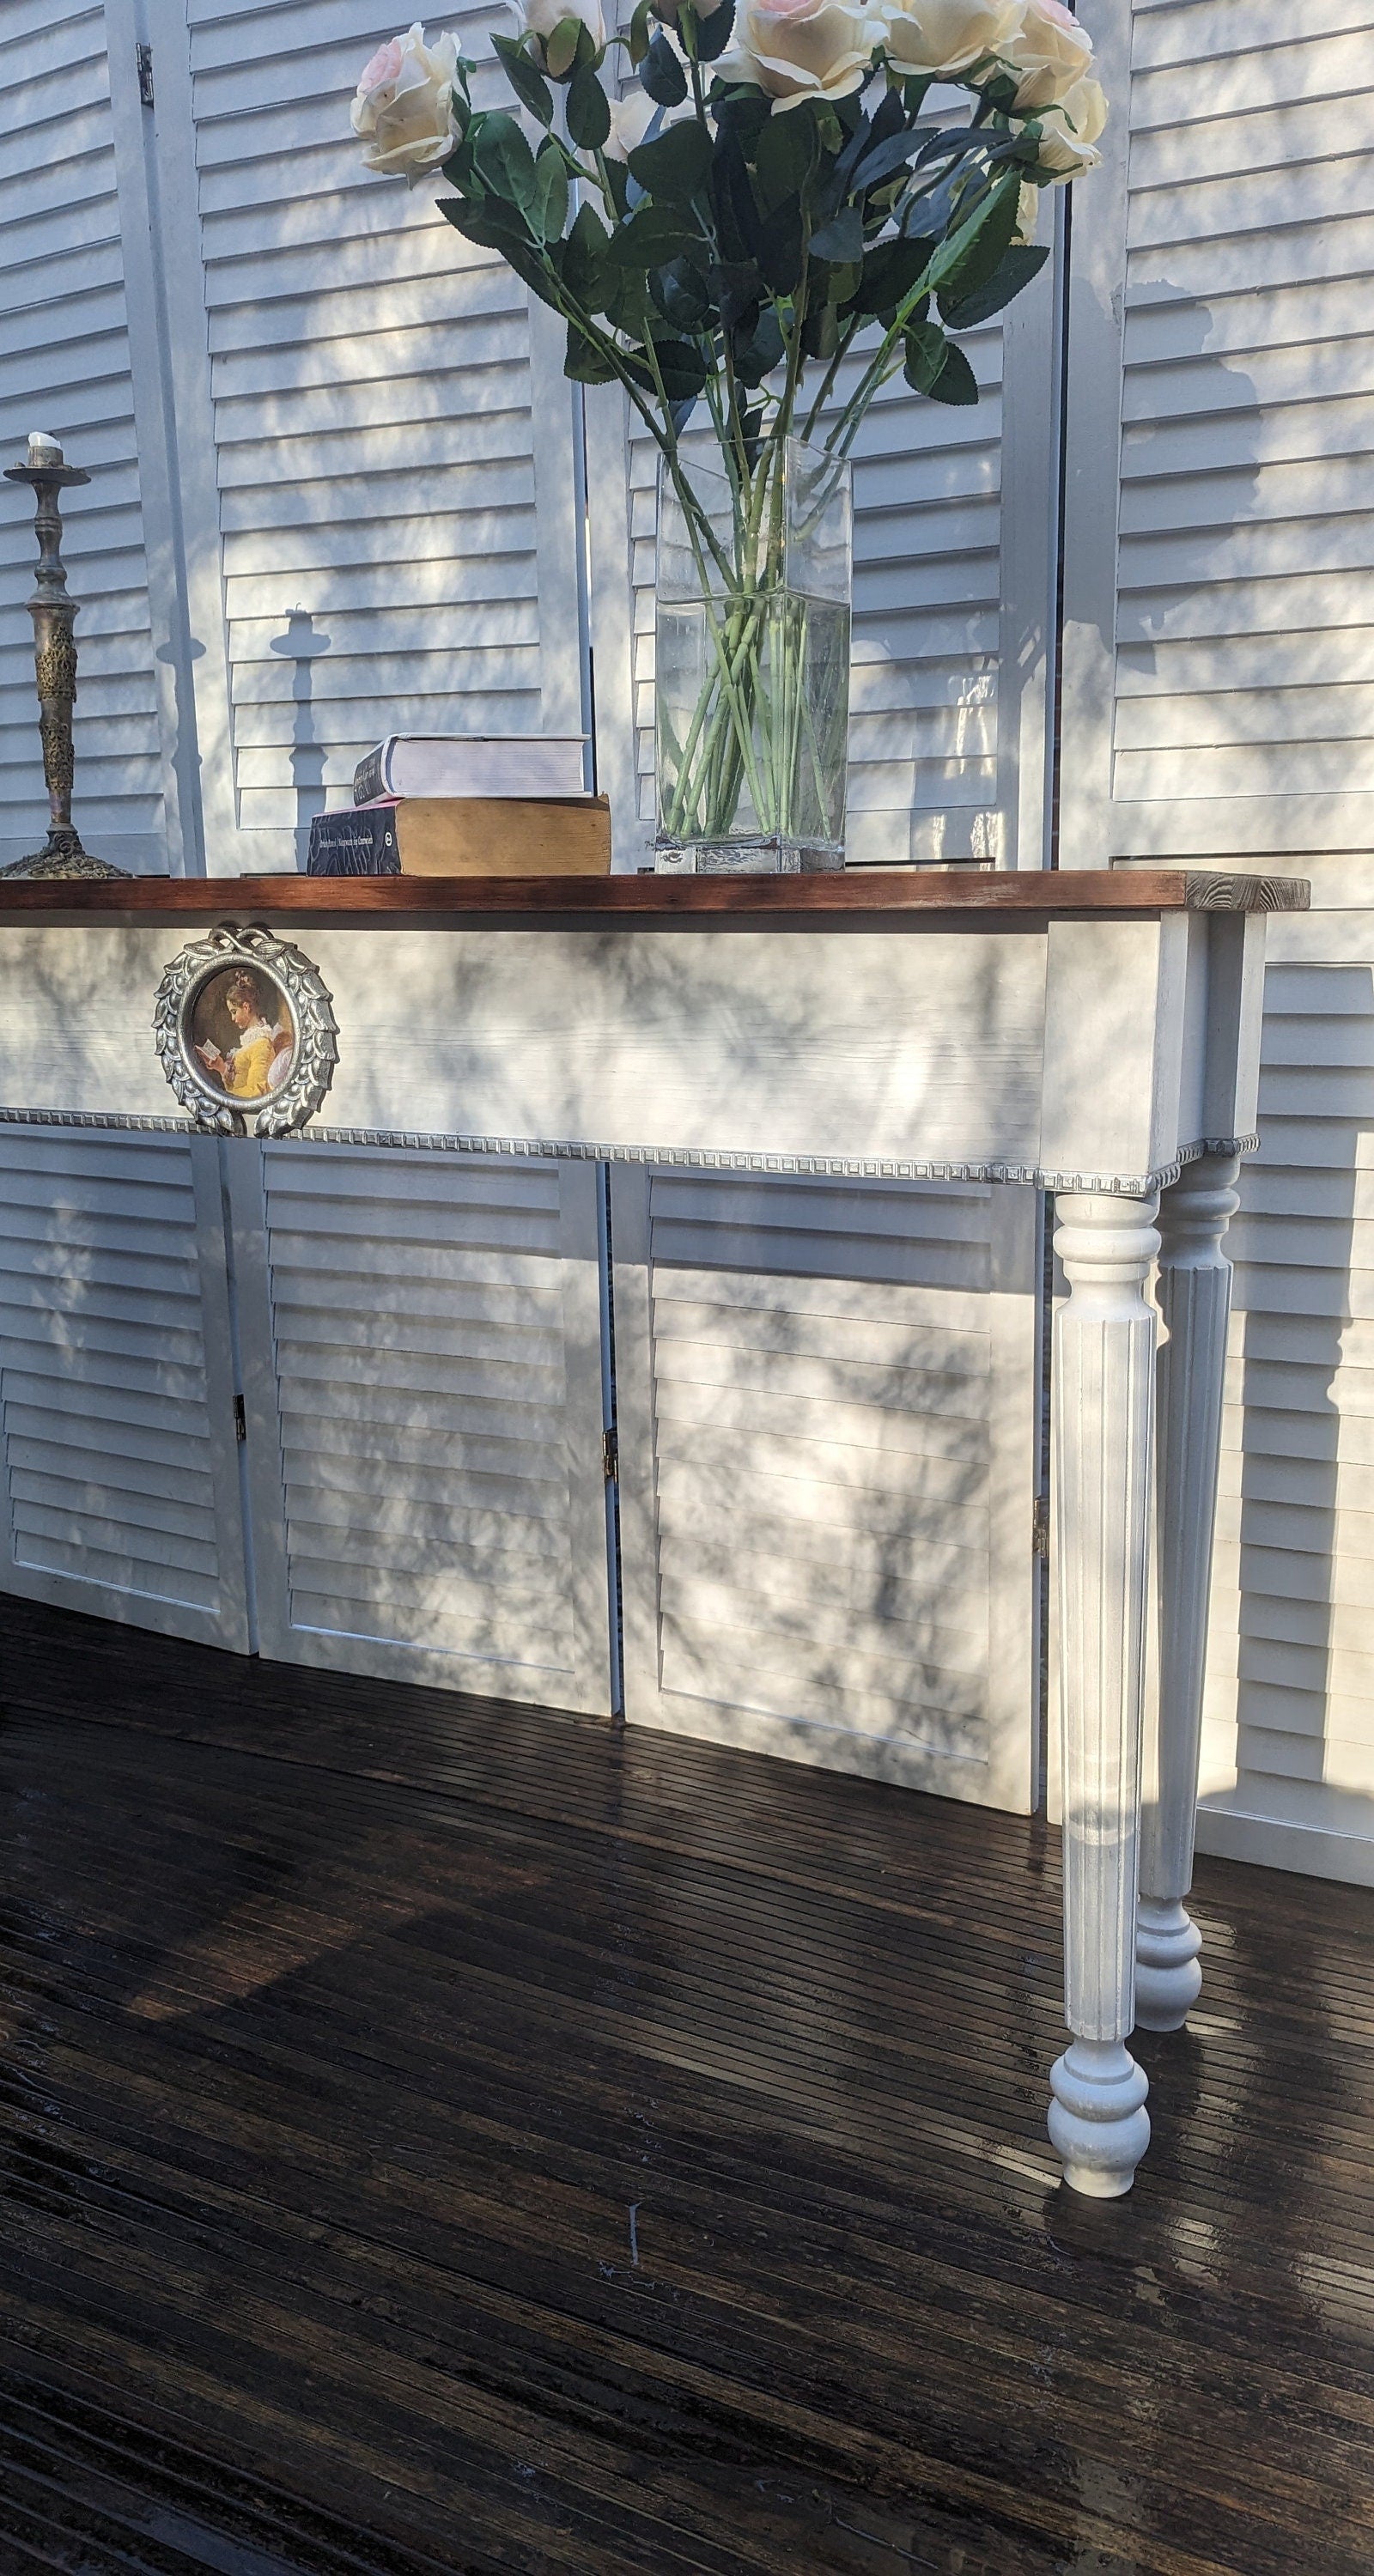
<point>467,805</point>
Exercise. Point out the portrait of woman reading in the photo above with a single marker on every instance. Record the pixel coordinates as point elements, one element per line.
<point>242,1034</point>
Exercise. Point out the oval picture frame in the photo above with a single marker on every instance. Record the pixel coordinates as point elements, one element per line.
<point>277,1078</point>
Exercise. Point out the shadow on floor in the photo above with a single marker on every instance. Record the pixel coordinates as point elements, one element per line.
<point>438,2135</point>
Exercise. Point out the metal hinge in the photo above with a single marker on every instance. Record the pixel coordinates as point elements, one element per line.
<point>610,1457</point>
<point>1040,1525</point>
<point>240,1419</point>
<point>144,55</point>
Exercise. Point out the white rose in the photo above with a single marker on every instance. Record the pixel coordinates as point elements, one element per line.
<point>404,106</point>
<point>1071,129</point>
<point>799,49</point>
<point>946,37</point>
<point>1049,53</point>
<point>1027,212</point>
<point>540,17</point>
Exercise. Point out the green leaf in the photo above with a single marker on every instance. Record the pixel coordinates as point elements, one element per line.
<point>977,245</point>
<point>584,363</point>
<point>560,49</point>
<point>738,287</point>
<point>742,110</point>
<point>785,152</point>
<point>780,251</point>
<point>549,211</point>
<point>714,32</point>
<point>661,76</point>
<point>525,78</point>
<point>934,366</point>
<point>496,229</point>
<point>821,330</point>
<point>681,296</point>
<point>890,271</point>
<point>842,238</point>
<point>638,38</point>
<point>487,223</point>
<point>683,368</point>
<point>676,165</point>
<point>1018,266</point>
<point>504,162</point>
<point>588,110</point>
<point>652,236</point>
<point>584,258</point>
<point>762,352</point>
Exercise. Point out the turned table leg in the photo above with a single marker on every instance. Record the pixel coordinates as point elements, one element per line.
<point>1195,1302</point>
<point>1104,1358</point>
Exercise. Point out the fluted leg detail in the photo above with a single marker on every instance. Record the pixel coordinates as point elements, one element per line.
<point>1104,1363</point>
<point>1195,1304</point>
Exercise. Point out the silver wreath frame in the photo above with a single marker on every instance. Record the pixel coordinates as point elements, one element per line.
<point>312,1010</point>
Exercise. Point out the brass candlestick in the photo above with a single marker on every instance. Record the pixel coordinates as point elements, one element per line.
<point>54,653</point>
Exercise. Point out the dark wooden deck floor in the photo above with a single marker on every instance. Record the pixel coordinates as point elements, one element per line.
<point>440,2137</point>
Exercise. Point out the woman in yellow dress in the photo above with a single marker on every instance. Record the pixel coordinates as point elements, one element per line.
<point>245,1071</point>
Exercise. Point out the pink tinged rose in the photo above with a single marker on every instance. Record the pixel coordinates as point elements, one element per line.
<point>403,111</point>
<point>385,67</point>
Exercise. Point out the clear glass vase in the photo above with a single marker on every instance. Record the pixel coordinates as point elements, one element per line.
<point>752,666</point>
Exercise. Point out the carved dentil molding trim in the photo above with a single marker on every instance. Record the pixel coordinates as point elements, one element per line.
<point>555,1149</point>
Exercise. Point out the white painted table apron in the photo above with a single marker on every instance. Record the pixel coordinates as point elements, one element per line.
<point>1094,1035</point>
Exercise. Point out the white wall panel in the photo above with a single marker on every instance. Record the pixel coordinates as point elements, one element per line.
<point>1218,699</point>
<point>69,278</point>
<point>121,1482</point>
<point>1218,651</point>
<point>376,440</point>
<point>1288,1774</point>
<point>422,1356</point>
<point>827,1410</point>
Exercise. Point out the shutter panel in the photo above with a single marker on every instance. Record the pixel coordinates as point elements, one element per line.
<point>954,543</point>
<point>826,1398</point>
<point>1218,670</point>
<point>73,304</point>
<point>376,438</point>
<point>423,1364</point>
<point>1288,1765</point>
<point>121,1468</point>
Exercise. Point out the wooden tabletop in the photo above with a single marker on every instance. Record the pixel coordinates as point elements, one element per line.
<point>851,895</point>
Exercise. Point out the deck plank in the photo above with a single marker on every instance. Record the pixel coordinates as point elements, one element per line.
<point>441,2135</point>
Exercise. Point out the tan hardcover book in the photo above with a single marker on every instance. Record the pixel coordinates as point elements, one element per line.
<point>503,836</point>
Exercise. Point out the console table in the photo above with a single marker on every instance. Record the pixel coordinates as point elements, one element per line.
<point>1095,1034</point>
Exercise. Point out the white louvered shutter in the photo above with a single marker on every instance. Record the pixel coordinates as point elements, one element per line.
<point>1288,1745</point>
<point>827,1434</point>
<point>1217,681</point>
<point>1218,664</point>
<point>376,440</point>
<point>78,358</point>
<point>121,1491</point>
<point>422,1347</point>
<point>954,534</point>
